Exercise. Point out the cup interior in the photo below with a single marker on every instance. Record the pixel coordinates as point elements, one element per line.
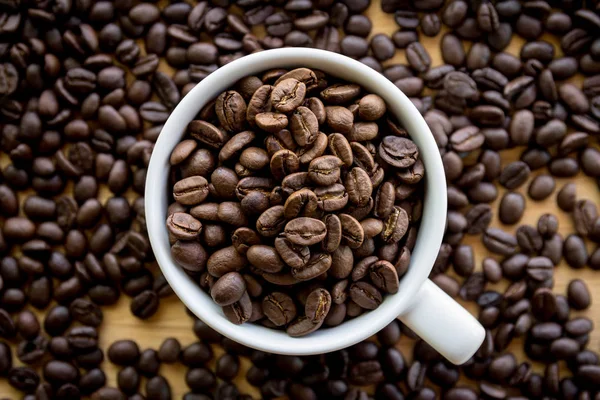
<point>429,236</point>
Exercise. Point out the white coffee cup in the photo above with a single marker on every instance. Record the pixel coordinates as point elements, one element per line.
<point>419,303</point>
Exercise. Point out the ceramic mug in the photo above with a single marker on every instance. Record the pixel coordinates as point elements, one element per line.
<point>419,303</point>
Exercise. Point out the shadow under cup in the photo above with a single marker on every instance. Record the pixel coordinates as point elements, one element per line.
<point>429,235</point>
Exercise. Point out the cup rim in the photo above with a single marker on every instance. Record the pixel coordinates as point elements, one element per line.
<point>429,236</point>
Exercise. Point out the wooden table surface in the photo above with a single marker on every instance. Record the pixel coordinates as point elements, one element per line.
<point>172,321</point>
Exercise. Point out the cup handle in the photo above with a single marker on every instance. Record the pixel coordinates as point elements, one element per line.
<point>443,323</point>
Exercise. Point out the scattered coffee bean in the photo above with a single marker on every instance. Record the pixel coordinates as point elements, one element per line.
<point>541,187</point>
<point>124,352</point>
<point>512,207</point>
<point>578,295</point>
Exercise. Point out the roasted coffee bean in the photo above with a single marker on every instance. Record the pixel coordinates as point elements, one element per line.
<point>384,276</point>
<point>514,174</point>
<point>539,269</point>
<point>403,38</point>
<point>363,131</point>
<point>23,378</point>
<point>128,380</point>
<point>145,304</point>
<point>58,372</point>
<point>467,139</point>
<point>463,260</point>
<point>271,222</point>
<point>340,93</point>
<point>529,239</point>
<point>574,251</point>
<point>382,47</point>
<point>371,107</point>
<point>196,354</point>
<point>7,325</point>
<point>478,218</point>
<point>573,98</point>
<point>454,14</point>
<point>182,151</point>
<point>240,311</point>
<point>305,231</point>
<point>578,295</point>
<point>453,165</point>
<point>584,213</point>
<point>563,167</point>
<point>488,115</point>
<point>92,381</point>
<point>496,138</point>
<point>228,289</point>
<point>353,233</point>
<point>190,255</point>
<point>553,248</point>
<point>57,320</point>
<point>279,308</point>
<point>86,312</point>
<point>169,351</point>
<point>324,170</point>
<point>460,84</point>
<point>265,258</point>
<point>206,133</point>
<point>406,19</point>
<point>565,198</point>
<point>27,325</point>
<point>294,256</point>
<point>483,192</point>
<point>82,338</point>
<point>521,126</point>
<point>317,305</point>
<point>339,146</point>
<point>541,187</point>
<point>148,363</point>
<point>330,243</point>
<point>359,187</point>
<point>543,304</point>
<point>473,287</point>
<point>411,86</point>
<point>158,387</point>
<point>492,269</point>
<point>284,162</point>
<point>339,119</point>
<point>302,326</point>
<point>547,225</point>
<point>191,191</point>
<point>453,52</point>
<point>365,295</point>
<point>316,265</point>
<point>123,352</point>
<point>231,110</point>
<point>551,133</point>
<point>479,55</point>
<point>288,94</point>
<point>398,152</point>
<point>384,200</point>
<point>184,226</point>
<point>499,242</point>
<point>512,207</point>
<point>417,57</point>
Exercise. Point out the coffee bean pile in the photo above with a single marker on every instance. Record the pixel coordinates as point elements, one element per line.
<point>297,207</point>
<point>82,100</point>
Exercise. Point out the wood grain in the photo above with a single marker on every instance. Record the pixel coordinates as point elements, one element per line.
<point>172,320</point>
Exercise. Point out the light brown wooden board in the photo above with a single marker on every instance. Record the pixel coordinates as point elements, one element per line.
<point>172,320</point>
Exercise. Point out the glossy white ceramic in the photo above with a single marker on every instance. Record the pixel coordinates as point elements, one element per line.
<point>419,303</point>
